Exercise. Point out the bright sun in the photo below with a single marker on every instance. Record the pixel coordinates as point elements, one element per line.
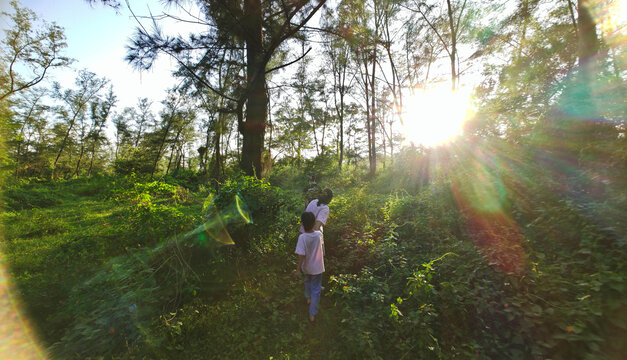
<point>435,115</point>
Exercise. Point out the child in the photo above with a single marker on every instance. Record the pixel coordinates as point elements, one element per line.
<point>320,208</point>
<point>310,250</point>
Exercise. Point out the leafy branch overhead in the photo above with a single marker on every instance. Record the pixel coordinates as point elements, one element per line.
<point>37,47</point>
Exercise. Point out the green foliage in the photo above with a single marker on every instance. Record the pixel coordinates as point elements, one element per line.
<point>135,162</point>
<point>32,46</point>
<point>238,326</point>
<point>424,220</point>
<point>155,212</point>
<point>270,209</point>
<point>475,302</point>
<point>411,274</point>
<point>112,310</point>
<point>38,197</point>
<point>286,175</point>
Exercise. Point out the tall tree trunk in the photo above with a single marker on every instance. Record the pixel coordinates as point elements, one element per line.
<point>366,79</point>
<point>391,144</point>
<point>453,50</point>
<point>166,131</point>
<point>22,130</point>
<point>373,117</point>
<point>254,128</point>
<point>167,171</point>
<point>91,162</point>
<point>523,34</point>
<point>63,143</point>
<point>117,145</point>
<point>572,14</point>
<point>587,35</point>
<point>340,112</point>
<point>80,157</point>
<point>93,147</point>
<point>217,168</point>
<point>205,156</point>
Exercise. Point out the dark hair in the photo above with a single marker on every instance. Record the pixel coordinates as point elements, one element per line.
<point>325,197</point>
<point>308,219</point>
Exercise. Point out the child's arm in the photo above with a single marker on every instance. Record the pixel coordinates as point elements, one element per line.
<point>317,225</point>
<point>301,259</point>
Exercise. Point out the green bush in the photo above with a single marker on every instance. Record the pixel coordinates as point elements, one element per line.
<point>31,197</point>
<point>155,211</point>
<point>270,214</point>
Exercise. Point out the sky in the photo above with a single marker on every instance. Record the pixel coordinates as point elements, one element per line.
<point>97,37</point>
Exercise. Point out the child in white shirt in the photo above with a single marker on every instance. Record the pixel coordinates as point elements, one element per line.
<point>310,250</point>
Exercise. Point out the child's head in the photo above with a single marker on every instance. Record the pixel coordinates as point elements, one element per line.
<point>308,219</point>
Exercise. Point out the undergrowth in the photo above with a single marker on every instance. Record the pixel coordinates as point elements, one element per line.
<point>481,263</point>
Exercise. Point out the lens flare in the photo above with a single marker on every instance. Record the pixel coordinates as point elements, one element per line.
<point>243,209</point>
<point>481,195</point>
<point>435,115</point>
<point>611,18</point>
<point>217,221</point>
<point>17,340</point>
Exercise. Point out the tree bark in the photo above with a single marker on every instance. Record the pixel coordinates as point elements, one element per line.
<point>254,128</point>
<point>587,35</point>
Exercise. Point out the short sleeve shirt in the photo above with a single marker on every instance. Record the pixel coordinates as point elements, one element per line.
<point>311,245</point>
<point>321,212</point>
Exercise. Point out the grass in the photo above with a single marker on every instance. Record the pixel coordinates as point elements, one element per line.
<point>85,260</point>
<point>262,315</point>
<point>51,245</point>
<point>54,245</point>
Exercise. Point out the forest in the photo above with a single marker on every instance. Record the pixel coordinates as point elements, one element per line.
<point>476,151</point>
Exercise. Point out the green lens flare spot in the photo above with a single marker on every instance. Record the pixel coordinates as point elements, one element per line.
<point>242,209</point>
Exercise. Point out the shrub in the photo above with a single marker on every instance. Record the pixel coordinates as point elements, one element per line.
<point>31,197</point>
<point>270,212</point>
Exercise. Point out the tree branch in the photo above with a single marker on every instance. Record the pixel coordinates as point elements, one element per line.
<point>289,63</point>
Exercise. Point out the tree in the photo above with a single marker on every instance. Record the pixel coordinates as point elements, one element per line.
<point>450,27</point>
<point>171,114</point>
<point>74,103</point>
<point>143,119</point>
<point>337,51</point>
<point>526,62</point>
<point>361,24</point>
<point>29,118</point>
<point>35,48</point>
<point>100,112</point>
<point>123,131</point>
<point>259,28</point>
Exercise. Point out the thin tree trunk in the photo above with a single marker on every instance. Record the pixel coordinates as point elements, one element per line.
<point>80,157</point>
<point>19,144</point>
<point>167,171</point>
<point>366,77</point>
<point>93,155</point>
<point>161,145</point>
<point>572,15</point>
<point>453,51</point>
<point>63,143</point>
<point>373,110</point>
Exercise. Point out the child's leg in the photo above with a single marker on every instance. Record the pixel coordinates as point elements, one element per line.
<point>315,284</point>
<point>307,286</point>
